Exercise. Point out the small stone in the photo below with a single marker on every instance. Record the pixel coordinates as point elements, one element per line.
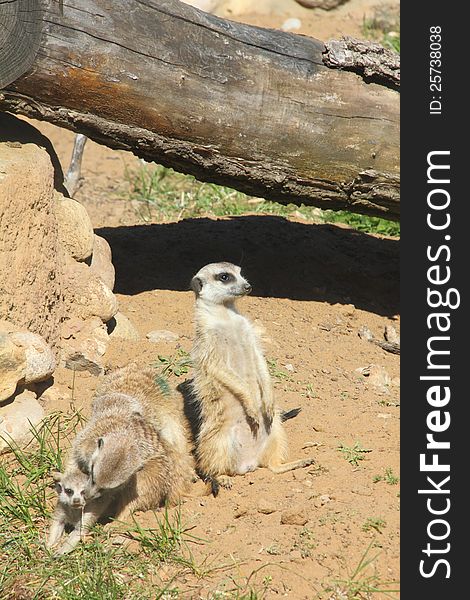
<point>25,358</point>
<point>294,516</point>
<point>321,500</point>
<point>17,418</point>
<point>240,512</point>
<point>289,367</point>
<point>122,328</point>
<point>379,377</point>
<point>291,25</point>
<point>265,507</point>
<point>85,351</point>
<point>162,335</point>
<point>391,335</point>
<point>40,361</point>
<point>348,310</point>
<point>376,376</point>
<point>365,334</point>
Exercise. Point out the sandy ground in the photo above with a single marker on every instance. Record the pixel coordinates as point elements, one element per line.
<point>314,287</point>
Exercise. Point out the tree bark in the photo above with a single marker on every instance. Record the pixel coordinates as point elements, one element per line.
<point>254,109</point>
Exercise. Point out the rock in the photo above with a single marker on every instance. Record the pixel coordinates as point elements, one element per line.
<point>101,262</point>
<point>376,376</point>
<point>52,398</point>
<point>12,366</point>
<point>322,500</point>
<point>391,335</point>
<point>31,261</point>
<point>43,235</point>
<point>84,351</point>
<point>122,328</point>
<point>266,507</point>
<point>87,295</point>
<point>379,377</point>
<point>365,334</point>
<point>74,227</point>
<point>162,335</point>
<point>17,418</point>
<point>294,516</point>
<point>292,25</point>
<point>348,310</point>
<point>24,358</point>
<point>40,361</point>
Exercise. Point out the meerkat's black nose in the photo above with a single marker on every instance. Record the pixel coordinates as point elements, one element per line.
<point>248,288</point>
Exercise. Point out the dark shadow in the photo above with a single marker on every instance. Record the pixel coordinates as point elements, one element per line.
<point>280,258</point>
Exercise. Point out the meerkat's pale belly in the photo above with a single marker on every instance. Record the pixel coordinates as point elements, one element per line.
<point>247,449</point>
<point>244,358</point>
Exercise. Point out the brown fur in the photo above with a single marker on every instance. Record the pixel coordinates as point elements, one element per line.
<point>134,449</point>
<point>240,426</point>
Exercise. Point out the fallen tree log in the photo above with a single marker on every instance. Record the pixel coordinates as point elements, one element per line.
<point>254,109</point>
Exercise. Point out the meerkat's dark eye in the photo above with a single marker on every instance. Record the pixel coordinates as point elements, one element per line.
<point>68,491</point>
<point>225,277</point>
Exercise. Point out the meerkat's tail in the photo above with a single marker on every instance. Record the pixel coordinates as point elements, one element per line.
<point>289,414</point>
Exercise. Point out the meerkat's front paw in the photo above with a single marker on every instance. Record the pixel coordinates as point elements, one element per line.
<point>268,416</point>
<point>253,423</point>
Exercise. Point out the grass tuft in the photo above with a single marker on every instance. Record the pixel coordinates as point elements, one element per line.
<point>161,194</point>
<point>361,583</point>
<point>95,570</point>
<point>353,454</point>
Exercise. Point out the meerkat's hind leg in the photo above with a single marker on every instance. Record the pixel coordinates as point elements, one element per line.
<point>291,466</point>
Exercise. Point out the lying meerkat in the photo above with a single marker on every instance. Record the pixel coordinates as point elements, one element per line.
<point>133,454</point>
<point>240,426</point>
<point>135,428</point>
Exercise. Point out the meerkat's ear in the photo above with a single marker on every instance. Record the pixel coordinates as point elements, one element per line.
<point>196,284</point>
<point>100,443</point>
<point>57,476</point>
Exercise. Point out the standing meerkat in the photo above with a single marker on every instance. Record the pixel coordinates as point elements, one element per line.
<point>133,454</point>
<point>240,427</point>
